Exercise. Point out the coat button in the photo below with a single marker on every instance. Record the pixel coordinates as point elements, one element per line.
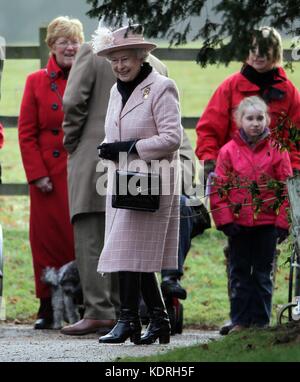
<point>55,131</point>
<point>53,74</point>
<point>56,153</point>
<point>54,106</point>
<point>53,86</point>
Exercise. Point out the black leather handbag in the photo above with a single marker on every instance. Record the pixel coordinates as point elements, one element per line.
<point>136,191</point>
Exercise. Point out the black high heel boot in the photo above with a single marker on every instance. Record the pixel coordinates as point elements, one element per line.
<point>159,325</point>
<point>128,326</point>
<point>129,323</point>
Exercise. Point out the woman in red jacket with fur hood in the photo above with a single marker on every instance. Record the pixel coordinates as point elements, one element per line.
<point>45,159</point>
<point>251,159</point>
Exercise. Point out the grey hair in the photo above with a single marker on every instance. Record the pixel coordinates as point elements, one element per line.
<point>252,101</point>
<point>141,53</point>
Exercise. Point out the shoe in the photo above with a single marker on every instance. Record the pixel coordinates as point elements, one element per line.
<point>237,328</point>
<point>44,315</point>
<point>158,328</point>
<point>87,326</point>
<point>225,329</point>
<point>42,323</point>
<point>128,326</point>
<point>172,288</point>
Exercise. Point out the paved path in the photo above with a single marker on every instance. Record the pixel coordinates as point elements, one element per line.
<point>20,343</point>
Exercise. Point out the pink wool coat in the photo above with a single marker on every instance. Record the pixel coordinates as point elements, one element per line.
<point>135,240</point>
<point>250,164</point>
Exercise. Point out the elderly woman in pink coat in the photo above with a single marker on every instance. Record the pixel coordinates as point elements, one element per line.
<point>143,121</point>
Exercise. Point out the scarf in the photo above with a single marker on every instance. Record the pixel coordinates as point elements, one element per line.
<point>248,140</point>
<point>126,88</point>
<point>265,82</point>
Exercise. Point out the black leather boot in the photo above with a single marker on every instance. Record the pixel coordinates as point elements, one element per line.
<point>159,325</point>
<point>129,323</point>
<point>171,287</point>
<point>128,326</point>
<point>44,315</point>
<point>158,328</point>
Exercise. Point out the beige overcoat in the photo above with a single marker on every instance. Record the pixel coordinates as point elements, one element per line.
<point>85,103</point>
<point>134,240</point>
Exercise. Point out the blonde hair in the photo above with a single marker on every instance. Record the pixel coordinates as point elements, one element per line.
<point>270,37</point>
<point>253,101</point>
<point>63,26</point>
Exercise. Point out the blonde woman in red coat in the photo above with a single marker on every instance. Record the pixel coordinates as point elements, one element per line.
<point>252,235</point>
<point>45,159</point>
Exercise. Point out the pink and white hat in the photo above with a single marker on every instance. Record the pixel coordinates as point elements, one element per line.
<point>104,41</point>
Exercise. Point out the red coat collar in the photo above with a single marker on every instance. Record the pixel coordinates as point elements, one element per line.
<point>53,70</point>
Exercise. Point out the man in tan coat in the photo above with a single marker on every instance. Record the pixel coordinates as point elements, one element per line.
<point>85,103</point>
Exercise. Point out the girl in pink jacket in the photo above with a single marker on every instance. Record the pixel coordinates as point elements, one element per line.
<point>248,205</point>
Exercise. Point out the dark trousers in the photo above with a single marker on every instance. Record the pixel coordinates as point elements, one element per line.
<point>250,270</point>
<point>185,230</point>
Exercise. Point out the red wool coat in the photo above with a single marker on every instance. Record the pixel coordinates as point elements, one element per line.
<point>217,126</point>
<point>239,159</point>
<point>43,154</point>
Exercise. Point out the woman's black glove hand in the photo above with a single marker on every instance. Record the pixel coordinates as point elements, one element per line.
<point>111,150</point>
<point>282,234</point>
<point>230,229</point>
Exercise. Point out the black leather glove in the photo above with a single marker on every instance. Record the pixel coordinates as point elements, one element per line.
<point>282,234</point>
<point>230,229</point>
<point>111,150</point>
<point>296,172</point>
<point>209,166</point>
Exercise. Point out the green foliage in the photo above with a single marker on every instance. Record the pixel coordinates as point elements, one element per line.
<point>232,37</point>
<point>286,134</point>
<point>233,181</point>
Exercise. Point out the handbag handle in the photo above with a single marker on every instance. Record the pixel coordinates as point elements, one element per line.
<point>128,152</point>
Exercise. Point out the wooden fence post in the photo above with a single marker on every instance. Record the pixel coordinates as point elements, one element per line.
<point>44,50</point>
<point>293,185</point>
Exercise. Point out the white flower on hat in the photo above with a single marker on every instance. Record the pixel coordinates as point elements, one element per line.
<point>265,33</point>
<point>102,39</point>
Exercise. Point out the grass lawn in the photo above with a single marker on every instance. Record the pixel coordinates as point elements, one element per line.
<point>278,344</point>
<point>195,84</point>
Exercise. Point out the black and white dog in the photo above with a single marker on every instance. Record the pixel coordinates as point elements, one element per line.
<point>66,295</point>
